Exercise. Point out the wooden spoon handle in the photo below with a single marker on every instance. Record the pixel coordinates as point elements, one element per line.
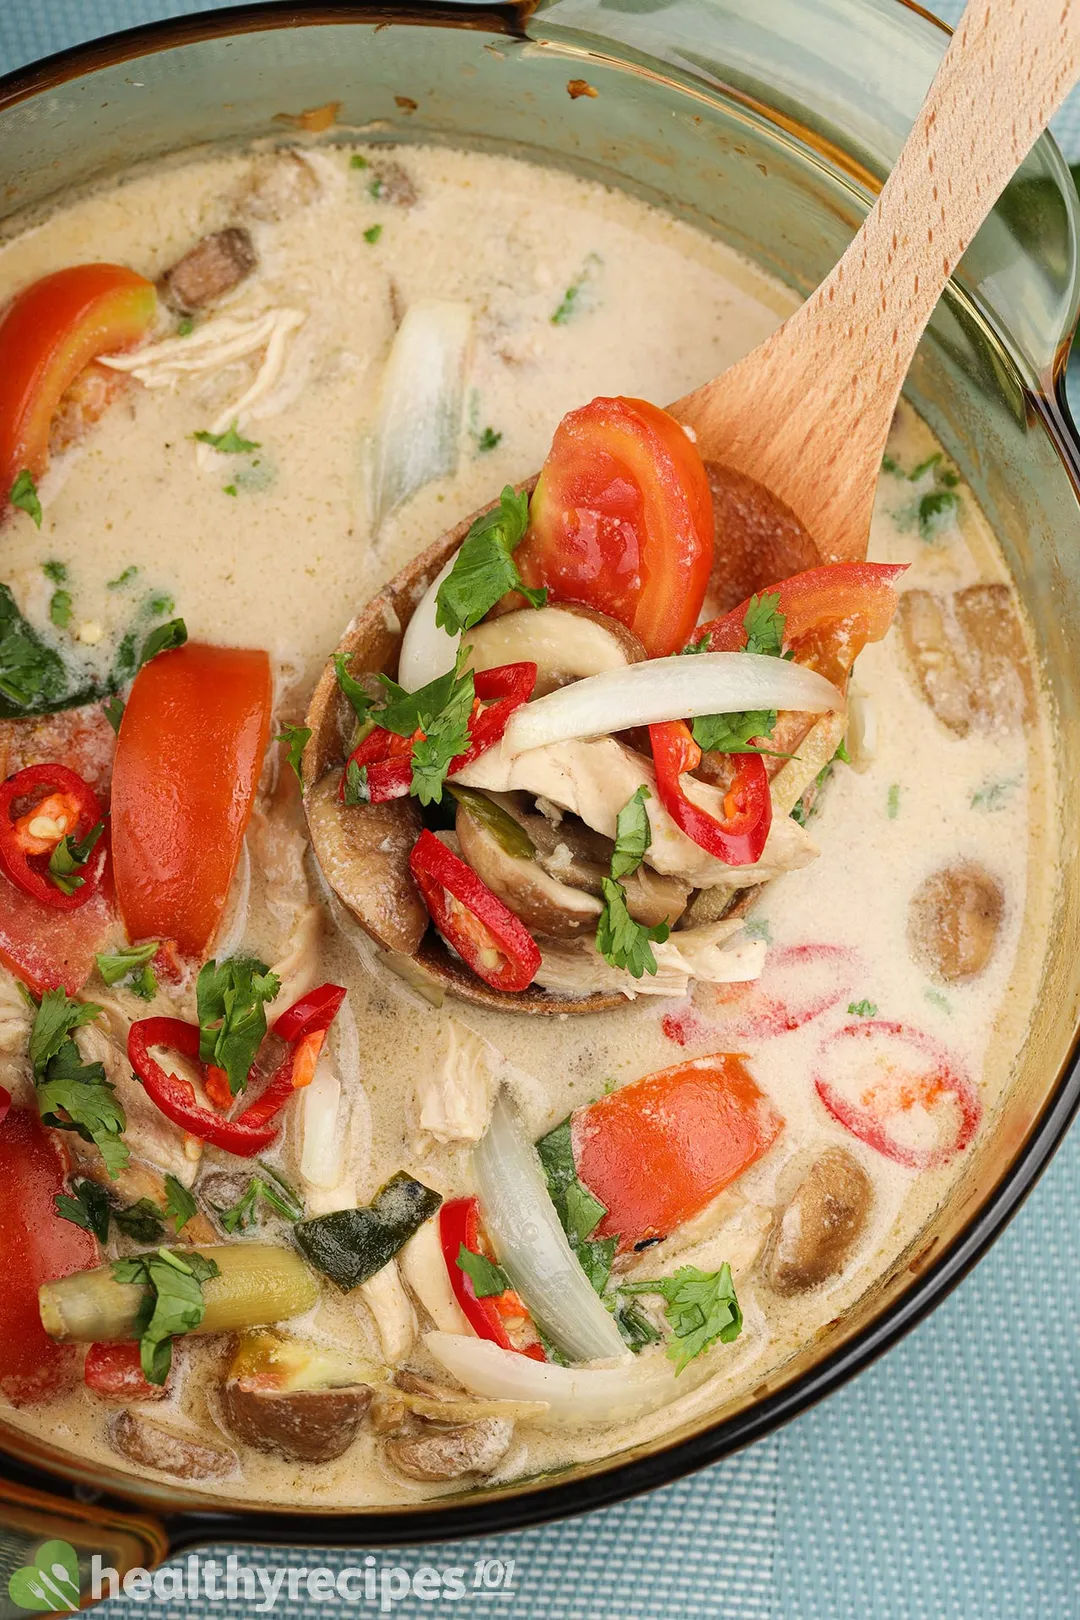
<point>808,412</point>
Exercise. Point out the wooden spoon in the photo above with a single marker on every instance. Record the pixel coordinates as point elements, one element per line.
<point>793,434</point>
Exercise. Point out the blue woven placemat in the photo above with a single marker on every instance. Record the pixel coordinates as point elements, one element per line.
<point>943,1484</point>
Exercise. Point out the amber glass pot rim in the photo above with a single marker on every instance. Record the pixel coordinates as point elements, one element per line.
<point>557,1497</point>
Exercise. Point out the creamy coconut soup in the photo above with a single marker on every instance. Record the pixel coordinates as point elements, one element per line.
<point>443,1078</point>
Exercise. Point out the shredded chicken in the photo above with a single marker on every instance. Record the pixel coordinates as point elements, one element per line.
<point>395,1320</point>
<point>595,780</point>
<point>14,1017</point>
<point>455,1098</point>
<point>149,1134</point>
<point>719,953</point>
<point>423,1267</point>
<point>730,1228</point>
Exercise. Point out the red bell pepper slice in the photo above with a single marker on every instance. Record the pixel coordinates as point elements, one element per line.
<point>315,1011</point>
<point>490,940</point>
<point>114,1371</point>
<point>296,1070</point>
<point>459,1224</point>
<point>36,1246</point>
<point>622,521</point>
<point>176,1097</point>
<point>656,1152</point>
<point>54,793</point>
<point>387,757</point>
<point>740,838</point>
<point>876,1074</point>
<point>188,759</point>
<point>830,614</point>
<point>49,332</point>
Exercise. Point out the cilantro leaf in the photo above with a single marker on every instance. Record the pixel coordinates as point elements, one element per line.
<point>33,676</point>
<point>232,1014</point>
<point>88,1207</point>
<point>731,733</point>
<point>488,440</point>
<point>173,1303</point>
<point>229,443</point>
<point>132,963</point>
<point>636,1329</point>
<point>356,784</point>
<point>163,639</point>
<point>862,1009</point>
<point>620,940</point>
<point>123,578</point>
<point>180,1206</point>
<point>114,713</point>
<point>24,495</point>
<point>56,1017</point>
<point>56,571</point>
<point>69,857</point>
<point>488,1279</point>
<point>701,1307</point>
<point>764,625</point>
<point>351,687</point>
<point>578,1210</point>
<point>142,1222</point>
<point>484,568</point>
<point>372,234</point>
<point>692,647</point>
<point>60,609</point>
<point>633,835</point>
<point>269,1188</point>
<point>75,1096</point>
<point>938,511</point>
<point>296,739</point>
<point>441,711</point>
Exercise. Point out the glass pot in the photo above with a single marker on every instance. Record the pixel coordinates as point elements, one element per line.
<point>771,126</point>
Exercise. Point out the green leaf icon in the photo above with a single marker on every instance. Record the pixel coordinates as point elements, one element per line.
<point>50,1583</point>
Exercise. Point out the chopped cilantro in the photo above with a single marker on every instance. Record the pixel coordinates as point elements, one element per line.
<point>131,963</point>
<point>296,739</point>
<point>372,234</point>
<point>114,713</point>
<point>163,639</point>
<point>440,711</point>
<point>699,646</point>
<point>889,464</point>
<point>56,571</point>
<point>731,733</point>
<point>575,298</point>
<point>636,1329</point>
<point>758,928</point>
<point>229,489</point>
<point>488,439</point>
<point>180,1206</point>
<point>994,795</point>
<point>269,1188</point>
<point>185,327</point>
<point>633,835</point>
<point>229,443</point>
<point>351,687</point>
<point>55,1019</point>
<point>24,495</point>
<point>488,1279</point>
<point>484,568</point>
<point>123,578</point>
<point>231,1001</point>
<point>938,511</point>
<point>60,609</point>
<point>862,1009</point>
<point>160,604</point>
<point>701,1307</point>
<point>764,625</point>
<point>842,752</point>
<point>88,1207</point>
<point>938,1000</point>
<point>578,1210</point>
<point>33,677</point>
<point>622,941</point>
<point>892,802</point>
<point>73,1095</point>
<point>356,784</point>
<point>172,1304</point>
<point>357,161</point>
<point>68,859</point>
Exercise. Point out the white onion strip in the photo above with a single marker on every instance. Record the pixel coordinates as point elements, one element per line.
<point>426,650</point>
<point>668,689</point>
<point>576,1396</point>
<point>532,1247</point>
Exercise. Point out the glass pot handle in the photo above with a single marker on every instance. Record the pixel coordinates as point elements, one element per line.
<point>48,1548</point>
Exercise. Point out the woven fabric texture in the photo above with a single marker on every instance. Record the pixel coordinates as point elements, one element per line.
<point>943,1484</point>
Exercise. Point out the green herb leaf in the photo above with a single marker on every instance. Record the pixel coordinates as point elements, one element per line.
<point>351,687</point>
<point>620,940</point>
<point>123,579</point>
<point>994,795</point>
<point>56,571</point>
<point>758,928</point>
<point>938,511</point>
<point>484,568</point>
<point>75,1096</point>
<point>357,161</point>
<point>636,1329</point>
<point>701,1307</point>
<point>488,440</point>
<point>231,1002</point>
<point>578,1210</point>
<point>113,711</point>
<point>692,647</point>
<point>185,326</point>
<point>163,639</point>
<point>269,1188</point>
<point>356,784</point>
<point>633,835</point>
<point>24,495</point>
<point>88,1207</point>
<point>372,234</point>
<point>731,733</point>
<point>862,1009</point>
<point>141,1222</point>
<point>180,1206</point>
<point>296,739</point>
<point>126,963</point>
<point>33,676</point>
<point>229,443</point>
<point>60,609</point>
<point>764,625</point>
<point>57,1016</point>
<point>488,1279</point>
<point>892,802</point>
<point>441,711</point>
<point>584,1212</point>
<point>69,857</point>
<point>576,297</point>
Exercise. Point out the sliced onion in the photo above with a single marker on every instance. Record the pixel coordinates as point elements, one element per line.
<point>576,1396</point>
<point>668,689</point>
<point>322,1153</point>
<point>531,1245</point>
<point>426,650</point>
<point>418,424</point>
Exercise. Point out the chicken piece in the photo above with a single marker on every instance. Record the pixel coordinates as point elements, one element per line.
<point>213,267</point>
<point>595,780</point>
<point>83,403</point>
<point>149,1134</point>
<point>390,1306</point>
<point>423,1267</point>
<point>280,184</point>
<point>934,658</point>
<point>719,953</point>
<point>148,1445</point>
<point>1002,689</point>
<point>953,920</point>
<point>455,1099</point>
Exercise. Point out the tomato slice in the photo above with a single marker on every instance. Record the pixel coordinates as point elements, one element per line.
<point>47,949</point>
<point>36,1246</point>
<point>830,614</point>
<point>114,1371</point>
<point>49,332</point>
<point>188,758</point>
<point>622,521</point>
<point>655,1153</point>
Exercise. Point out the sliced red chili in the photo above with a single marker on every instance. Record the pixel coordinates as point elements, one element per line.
<point>874,1073</point>
<point>459,1224</point>
<point>317,1010</point>
<point>52,793</point>
<point>490,940</point>
<point>740,838</point>
<point>176,1098</point>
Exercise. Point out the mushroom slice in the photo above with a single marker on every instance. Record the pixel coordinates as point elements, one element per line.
<point>954,919</point>
<point>546,906</point>
<point>363,850</point>
<point>566,643</point>
<point>148,1445</point>
<point>296,1399</point>
<point>437,1454</point>
<point>576,855</point>
<point>934,658</point>
<point>1003,693</point>
<point>213,267</point>
<point>280,184</point>
<point>823,1220</point>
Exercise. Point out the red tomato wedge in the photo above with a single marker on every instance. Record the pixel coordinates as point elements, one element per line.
<point>114,1371</point>
<point>36,1246</point>
<point>830,614</point>
<point>622,521</point>
<point>655,1153</point>
<point>46,948</point>
<point>49,332</point>
<point>188,758</point>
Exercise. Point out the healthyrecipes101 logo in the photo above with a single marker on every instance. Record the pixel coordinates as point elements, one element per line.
<point>51,1583</point>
